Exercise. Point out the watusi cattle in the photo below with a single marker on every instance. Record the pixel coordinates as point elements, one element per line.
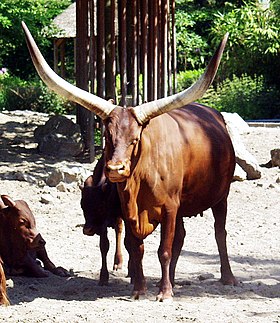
<point>3,289</point>
<point>102,209</point>
<point>21,245</point>
<point>170,158</point>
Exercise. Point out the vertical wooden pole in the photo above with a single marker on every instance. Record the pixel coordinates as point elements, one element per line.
<point>110,49</point>
<point>123,50</point>
<point>83,115</point>
<point>134,31</point>
<point>155,50</point>
<point>173,46</point>
<point>144,47</point>
<point>101,48</point>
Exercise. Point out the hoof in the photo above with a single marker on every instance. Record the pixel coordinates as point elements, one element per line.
<point>164,298</point>
<point>231,281</point>
<point>103,283</point>
<point>138,295</point>
<point>117,267</point>
<point>60,271</point>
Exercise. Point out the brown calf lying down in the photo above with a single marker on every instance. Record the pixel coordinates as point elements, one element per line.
<point>21,245</point>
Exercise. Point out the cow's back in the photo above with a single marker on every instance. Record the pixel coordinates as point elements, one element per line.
<point>186,153</point>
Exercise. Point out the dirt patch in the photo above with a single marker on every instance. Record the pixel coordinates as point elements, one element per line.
<point>253,243</point>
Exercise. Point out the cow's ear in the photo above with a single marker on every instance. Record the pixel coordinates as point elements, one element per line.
<point>8,201</point>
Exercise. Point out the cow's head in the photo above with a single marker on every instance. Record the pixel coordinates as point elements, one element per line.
<point>20,224</point>
<point>123,125</point>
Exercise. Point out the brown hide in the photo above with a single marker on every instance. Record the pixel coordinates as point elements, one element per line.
<point>20,242</point>
<point>3,293</point>
<point>102,209</point>
<point>183,160</point>
<point>179,164</point>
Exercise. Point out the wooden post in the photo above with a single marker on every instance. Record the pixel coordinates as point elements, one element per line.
<point>82,71</point>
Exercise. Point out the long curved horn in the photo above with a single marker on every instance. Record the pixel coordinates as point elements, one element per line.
<point>88,100</point>
<point>149,110</point>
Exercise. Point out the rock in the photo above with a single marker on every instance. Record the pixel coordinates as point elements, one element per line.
<point>243,158</point>
<point>239,174</point>
<point>21,176</point>
<point>67,175</point>
<point>233,120</point>
<point>206,276</point>
<point>275,157</point>
<point>47,199</point>
<point>59,137</point>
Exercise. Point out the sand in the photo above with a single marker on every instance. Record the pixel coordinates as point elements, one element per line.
<point>253,245</point>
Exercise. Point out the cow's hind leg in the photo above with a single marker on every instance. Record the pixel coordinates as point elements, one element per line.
<point>220,213</point>
<point>104,248</point>
<point>118,259</point>
<point>178,242</point>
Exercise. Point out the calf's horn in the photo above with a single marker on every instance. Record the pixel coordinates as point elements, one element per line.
<point>149,110</point>
<point>88,100</point>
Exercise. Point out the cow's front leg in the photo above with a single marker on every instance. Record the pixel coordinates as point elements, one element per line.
<point>165,255</point>
<point>118,259</point>
<point>135,248</point>
<point>42,255</point>
<point>220,212</point>
<point>104,248</point>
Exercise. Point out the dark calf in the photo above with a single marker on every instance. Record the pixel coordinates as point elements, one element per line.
<point>101,207</point>
<point>21,245</point>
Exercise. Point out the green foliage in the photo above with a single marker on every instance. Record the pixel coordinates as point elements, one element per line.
<point>18,94</point>
<point>187,78</point>
<point>192,45</point>
<point>254,42</point>
<point>36,14</point>
<point>248,96</point>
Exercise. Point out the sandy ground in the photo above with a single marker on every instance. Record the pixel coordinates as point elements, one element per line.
<point>253,244</point>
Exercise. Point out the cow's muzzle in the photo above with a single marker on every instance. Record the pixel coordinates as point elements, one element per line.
<point>118,172</point>
<point>88,231</point>
<point>37,243</point>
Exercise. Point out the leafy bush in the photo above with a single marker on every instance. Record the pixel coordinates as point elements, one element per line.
<point>17,94</point>
<point>250,97</point>
<point>187,78</point>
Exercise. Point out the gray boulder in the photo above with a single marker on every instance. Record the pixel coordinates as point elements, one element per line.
<point>235,126</point>
<point>59,137</point>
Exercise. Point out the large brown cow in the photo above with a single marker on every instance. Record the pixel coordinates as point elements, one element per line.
<point>102,209</point>
<point>170,158</point>
<point>21,245</point>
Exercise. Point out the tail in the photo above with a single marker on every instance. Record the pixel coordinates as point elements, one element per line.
<point>3,293</point>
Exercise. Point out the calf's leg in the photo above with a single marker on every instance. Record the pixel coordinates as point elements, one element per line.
<point>118,259</point>
<point>220,213</point>
<point>178,242</point>
<point>42,255</point>
<point>104,248</point>
<point>135,248</point>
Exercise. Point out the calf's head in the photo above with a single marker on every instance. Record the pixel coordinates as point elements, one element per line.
<point>93,204</point>
<point>123,125</point>
<point>19,223</point>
